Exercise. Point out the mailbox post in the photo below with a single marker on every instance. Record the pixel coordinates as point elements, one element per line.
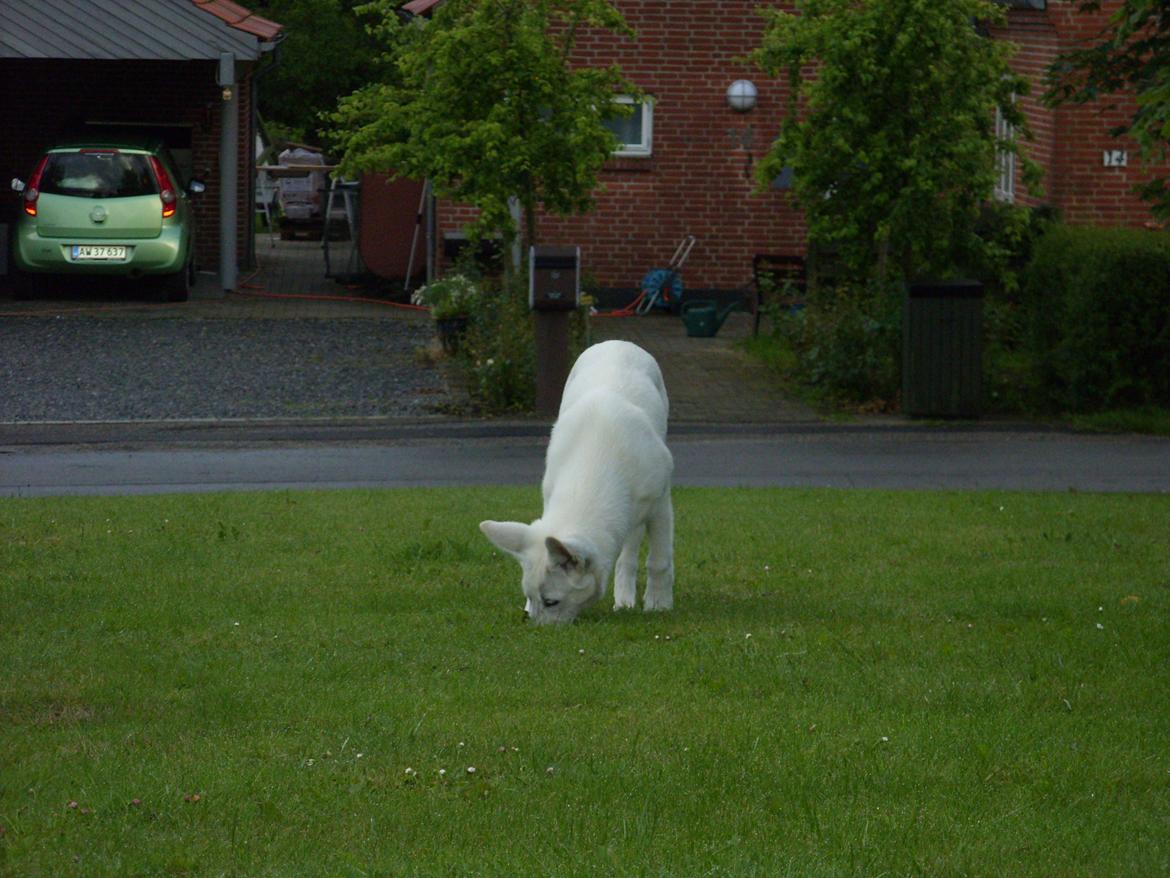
<point>554,284</point>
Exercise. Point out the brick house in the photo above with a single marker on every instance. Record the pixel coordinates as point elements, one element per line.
<point>688,166</point>
<point>1089,176</point>
<point>181,68</point>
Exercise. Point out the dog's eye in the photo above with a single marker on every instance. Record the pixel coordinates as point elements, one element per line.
<point>549,602</point>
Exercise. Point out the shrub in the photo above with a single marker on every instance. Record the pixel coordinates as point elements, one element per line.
<point>847,342</point>
<point>1097,317</point>
<point>1001,249</point>
<point>453,295</point>
<point>1005,239</point>
<point>498,352</point>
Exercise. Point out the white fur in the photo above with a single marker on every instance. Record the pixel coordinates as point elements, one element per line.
<point>606,484</point>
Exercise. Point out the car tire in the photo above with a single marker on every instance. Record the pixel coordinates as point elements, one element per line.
<point>177,287</point>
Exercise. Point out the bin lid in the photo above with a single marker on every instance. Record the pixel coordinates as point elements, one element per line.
<point>569,262</point>
<point>963,288</point>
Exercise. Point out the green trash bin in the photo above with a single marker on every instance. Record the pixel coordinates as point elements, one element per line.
<point>942,349</point>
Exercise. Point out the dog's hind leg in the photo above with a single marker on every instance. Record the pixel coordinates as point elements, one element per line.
<point>660,560</point>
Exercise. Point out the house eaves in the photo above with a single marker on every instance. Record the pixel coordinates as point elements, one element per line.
<point>144,30</point>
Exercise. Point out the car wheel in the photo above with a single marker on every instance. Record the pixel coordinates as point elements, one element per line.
<point>177,287</point>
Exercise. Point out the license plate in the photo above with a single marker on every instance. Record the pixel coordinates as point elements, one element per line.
<point>97,253</point>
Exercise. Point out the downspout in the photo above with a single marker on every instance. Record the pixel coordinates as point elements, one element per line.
<point>259,73</point>
<point>229,167</point>
<point>432,226</point>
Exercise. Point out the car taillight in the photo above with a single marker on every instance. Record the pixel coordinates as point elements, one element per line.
<point>166,188</point>
<point>33,190</point>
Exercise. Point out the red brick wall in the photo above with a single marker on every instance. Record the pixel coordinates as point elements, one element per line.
<point>1036,42</point>
<point>1071,139</point>
<point>699,179</point>
<point>697,182</point>
<point>40,99</point>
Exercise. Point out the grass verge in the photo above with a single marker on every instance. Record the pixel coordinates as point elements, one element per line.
<point>853,683</point>
<point>1007,394</point>
<point>1154,421</point>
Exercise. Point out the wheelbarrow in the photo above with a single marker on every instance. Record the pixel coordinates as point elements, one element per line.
<point>702,317</point>
<point>662,287</point>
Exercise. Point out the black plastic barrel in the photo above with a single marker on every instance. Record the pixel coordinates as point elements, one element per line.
<point>942,349</point>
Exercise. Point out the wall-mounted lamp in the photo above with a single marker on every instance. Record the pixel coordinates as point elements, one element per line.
<point>741,95</point>
<point>225,74</point>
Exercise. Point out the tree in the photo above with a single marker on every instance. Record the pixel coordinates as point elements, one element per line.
<point>891,134</point>
<point>1133,56</point>
<point>326,54</point>
<point>485,103</point>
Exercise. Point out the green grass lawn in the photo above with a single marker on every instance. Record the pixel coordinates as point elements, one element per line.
<point>851,684</point>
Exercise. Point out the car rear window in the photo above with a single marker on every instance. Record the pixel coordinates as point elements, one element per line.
<point>98,174</point>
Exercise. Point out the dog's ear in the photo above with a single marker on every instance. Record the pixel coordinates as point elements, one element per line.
<point>566,554</point>
<point>511,536</point>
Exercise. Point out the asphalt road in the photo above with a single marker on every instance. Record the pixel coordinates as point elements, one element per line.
<point>147,459</point>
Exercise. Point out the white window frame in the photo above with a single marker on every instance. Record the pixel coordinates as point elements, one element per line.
<point>1005,184</point>
<point>645,147</point>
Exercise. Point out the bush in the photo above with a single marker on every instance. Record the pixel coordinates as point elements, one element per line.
<point>453,295</point>
<point>1097,318</point>
<point>1001,249</point>
<point>847,342</point>
<point>1006,237</point>
<point>498,353</point>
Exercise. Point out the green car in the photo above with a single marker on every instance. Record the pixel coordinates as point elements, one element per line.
<point>117,209</point>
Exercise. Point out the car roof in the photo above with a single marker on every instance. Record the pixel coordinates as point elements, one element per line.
<point>125,137</point>
<point>119,143</point>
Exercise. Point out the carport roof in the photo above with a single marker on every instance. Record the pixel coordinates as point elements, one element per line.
<point>119,30</point>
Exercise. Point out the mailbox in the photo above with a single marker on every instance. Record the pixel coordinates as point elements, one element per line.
<point>554,278</point>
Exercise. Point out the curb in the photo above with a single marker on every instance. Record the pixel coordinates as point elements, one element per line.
<point>438,429</point>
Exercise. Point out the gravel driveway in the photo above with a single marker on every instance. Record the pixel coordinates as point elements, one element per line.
<point>127,367</point>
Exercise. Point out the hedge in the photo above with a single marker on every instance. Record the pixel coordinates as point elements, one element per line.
<point>1097,302</point>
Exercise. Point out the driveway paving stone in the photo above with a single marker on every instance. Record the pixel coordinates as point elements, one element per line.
<point>294,343</point>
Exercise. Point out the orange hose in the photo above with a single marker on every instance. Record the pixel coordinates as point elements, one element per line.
<point>629,310</point>
<point>248,289</point>
<point>263,294</point>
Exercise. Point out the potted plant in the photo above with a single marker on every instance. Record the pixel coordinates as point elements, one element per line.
<point>450,299</point>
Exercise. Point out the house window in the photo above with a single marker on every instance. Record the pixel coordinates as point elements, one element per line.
<point>633,131</point>
<point>1005,185</point>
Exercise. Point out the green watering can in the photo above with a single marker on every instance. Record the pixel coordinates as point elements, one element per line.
<point>703,318</point>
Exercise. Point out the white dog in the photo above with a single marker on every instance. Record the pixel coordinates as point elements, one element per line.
<point>606,483</point>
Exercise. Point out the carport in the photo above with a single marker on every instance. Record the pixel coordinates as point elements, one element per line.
<point>183,68</point>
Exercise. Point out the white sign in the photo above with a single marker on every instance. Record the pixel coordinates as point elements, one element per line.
<point>1116,158</point>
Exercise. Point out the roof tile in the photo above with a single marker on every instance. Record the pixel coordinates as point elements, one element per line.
<point>419,7</point>
<point>241,18</point>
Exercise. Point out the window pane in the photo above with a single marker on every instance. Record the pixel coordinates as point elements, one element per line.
<point>1005,187</point>
<point>627,128</point>
<point>97,175</point>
